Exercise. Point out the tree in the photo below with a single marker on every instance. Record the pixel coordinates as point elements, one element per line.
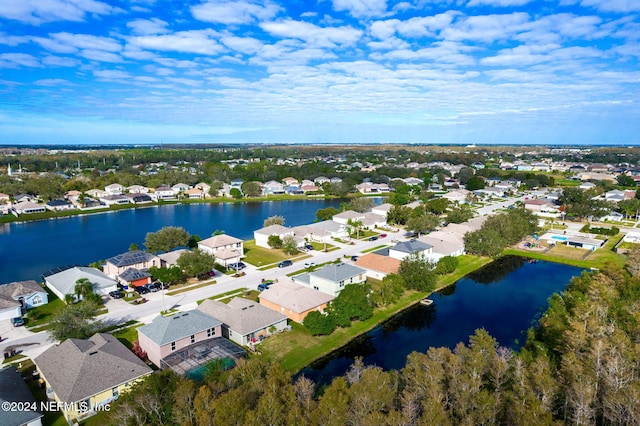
<point>196,263</point>
<point>388,291</point>
<point>75,321</point>
<point>437,206</point>
<point>170,275</point>
<point>630,208</point>
<point>235,193</point>
<point>273,220</point>
<point>399,215</point>
<point>475,183</point>
<point>625,180</point>
<point>459,214</point>
<point>355,224</point>
<point>274,241</point>
<point>423,224</point>
<point>166,239</point>
<point>133,247</point>
<point>84,291</point>
<point>446,265</point>
<point>351,304</point>
<point>361,204</point>
<point>465,174</point>
<point>326,214</point>
<point>319,324</point>
<point>289,245</point>
<point>251,189</point>
<point>417,273</point>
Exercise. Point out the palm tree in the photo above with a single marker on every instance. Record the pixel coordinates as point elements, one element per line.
<point>83,289</point>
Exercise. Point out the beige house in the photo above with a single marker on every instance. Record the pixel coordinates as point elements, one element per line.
<point>225,248</point>
<point>85,375</point>
<point>136,259</point>
<point>166,335</point>
<point>378,266</point>
<point>293,300</point>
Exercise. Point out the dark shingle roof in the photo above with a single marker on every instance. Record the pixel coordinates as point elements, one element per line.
<point>77,369</point>
<point>130,258</point>
<point>411,246</point>
<point>14,389</point>
<point>132,274</point>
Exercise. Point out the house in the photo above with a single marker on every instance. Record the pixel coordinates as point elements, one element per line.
<point>372,220</point>
<point>19,295</point>
<point>309,188</point>
<point>457,196</point>
<point>273,187</point>
<point>86,374</point>
<point>225,248</point>
<point>346,216</point>
<point>4,198</point>
<point>540,205</point>
<point>180,187</point>
<point>59,204</point>
<point>114,189</point>
<point>322,232</point>
<point>443,244</point>
<point>320,180</point>
<point>164,193</point>
<point>139,198</point>
<point>96,193</point>
<point>382,209</point>
<point>27,207</point>
<point>138,259</point>
<point>332,278</point>
<point>378,266</point>
<point>63,282</point>
<point>585,186</point>
<point>412,247</point>
<point>244,321</point>
<point>115,200</point>
<point>194,194</point>
<point>290,181</point>
<point>617,195</point>
<point>133,277</point>
<point>166,335</point>
<point>293,300</point>
<point>413,181</point>
<point>170,258</point>
<point>293,190</point>
<point>14,391</point>
<point>138,189</point>
<point>492,191</point>
<point>261,236</point>
<point>237,184</point>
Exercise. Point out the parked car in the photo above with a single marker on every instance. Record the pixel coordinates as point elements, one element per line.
<point>373,238</point>
<point>153,287</point>
<point>264,285</point>
<point>118,294</point>
<point>285,263</point>
<point>17,322</point>
<point>354,258</point>
<point>383,235</point>
<point>308,247</point>
<point>140,289</point>
<point>310,265</point>
<point>237,266</point>
<point>212,273</point>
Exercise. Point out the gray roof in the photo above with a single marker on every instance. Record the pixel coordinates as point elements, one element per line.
<point>163,330</point>
<point>295,297</point>
<point>77,369</point>
<point>131,258</point>
<point>65,281</point>
<point>18,289</point>
<point>274,230</point>
<point>14,389</point>
<point>241,315</point>
<point>338,272</point>
<point>411,246</point>
<point>132,274</point>
<point>171,258</point>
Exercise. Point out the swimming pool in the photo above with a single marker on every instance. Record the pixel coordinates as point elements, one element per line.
<point>558,237</point>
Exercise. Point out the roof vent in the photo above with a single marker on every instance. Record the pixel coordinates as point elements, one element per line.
<point>93,353</point>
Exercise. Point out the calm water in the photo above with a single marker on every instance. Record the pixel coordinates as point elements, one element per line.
<point>505,298</point>
<point>29,249</point>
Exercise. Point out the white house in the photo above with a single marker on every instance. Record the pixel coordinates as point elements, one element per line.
<point>406,248</point>
<point>64,282</point>
<point>225,248</point>
<point>262,235</point>
<point>114,189</point>
<point>332,278</point>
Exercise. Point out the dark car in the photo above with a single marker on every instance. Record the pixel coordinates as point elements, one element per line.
<point>373,238</point>
<point>383,235</point>
<point>354,258</point>
<point>141,289</point>
<point>153,287</point>
<point>118,294</point>
<point>237,266</point>
<point>211,273</point>
<point>308,247</point>
<point>17,322</point>
<point>285,263</point>
<point>264,285</point>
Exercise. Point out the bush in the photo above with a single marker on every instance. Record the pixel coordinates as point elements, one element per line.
<point>319,324</point>
<point>601,231</point>
<point>446,265</point>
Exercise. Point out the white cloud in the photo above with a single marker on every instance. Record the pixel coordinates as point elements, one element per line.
<point>415,27</point>
<point>148,26</point>
<point>622,6</point>
<point>10,40</point>
<point>112,75</point>
<point>486,28</point>
<point>361,8</point>
<point>312,34</point>
<point>59,61</point>
<point>17,60</point>
<point>246,45</point>
<point>235,12</point>
<point>65,42</point>
<point>100,55</point>
<point>52,82</point>
<point>40,11</point>
<point>196,41</point>
<point>497,3</point>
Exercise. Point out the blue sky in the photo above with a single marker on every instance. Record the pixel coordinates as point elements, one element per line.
<point>332,71</point>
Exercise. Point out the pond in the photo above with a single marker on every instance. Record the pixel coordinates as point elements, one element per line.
<point>505,298</point>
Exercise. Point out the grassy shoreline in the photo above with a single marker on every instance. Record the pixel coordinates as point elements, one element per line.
<point>297,349</point>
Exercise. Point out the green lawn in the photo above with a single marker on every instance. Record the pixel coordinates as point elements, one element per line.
<point>260,256</point>
<point>190,287</point>
<point>42,314</point>
<point>127,335</point>
<point>53,418</point>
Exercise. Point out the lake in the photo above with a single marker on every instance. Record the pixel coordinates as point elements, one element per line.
<point>505,298</point>
<point>31,248</point>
